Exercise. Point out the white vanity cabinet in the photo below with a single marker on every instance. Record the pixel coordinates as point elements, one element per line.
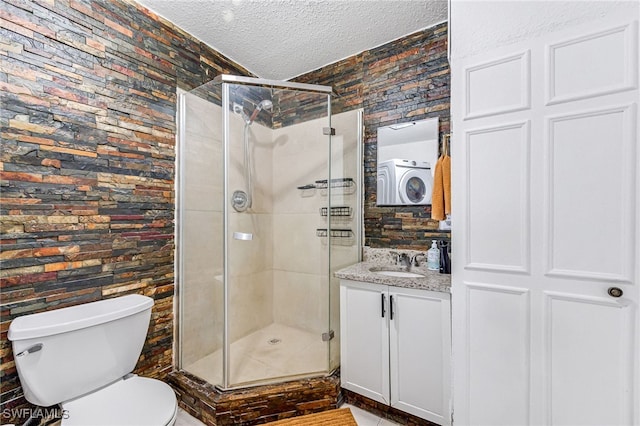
<point>396,347</point>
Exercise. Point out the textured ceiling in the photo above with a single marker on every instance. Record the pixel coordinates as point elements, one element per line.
<point>479,28</point>
<point>280,39</point>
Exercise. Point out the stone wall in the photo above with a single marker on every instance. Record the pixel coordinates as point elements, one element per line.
<point>87,162</point>
<point>404,80</point>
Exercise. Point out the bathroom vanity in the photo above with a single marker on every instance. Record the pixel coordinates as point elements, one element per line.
<point>395,325</point>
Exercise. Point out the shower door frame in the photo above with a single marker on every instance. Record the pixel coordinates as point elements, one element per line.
<point>226,80</point>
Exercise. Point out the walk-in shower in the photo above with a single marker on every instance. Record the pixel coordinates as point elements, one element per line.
<point>269,202</point>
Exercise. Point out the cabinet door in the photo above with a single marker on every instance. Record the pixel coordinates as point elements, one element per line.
<point>420,342</point>
<point>364,339</point>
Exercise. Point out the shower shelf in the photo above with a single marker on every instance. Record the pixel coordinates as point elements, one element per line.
<point>335,233</point>
<point>303,187</point>
<point>335,183</point>
<point>343,211</point>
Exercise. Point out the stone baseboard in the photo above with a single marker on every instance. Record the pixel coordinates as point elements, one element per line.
<point>255,405</point>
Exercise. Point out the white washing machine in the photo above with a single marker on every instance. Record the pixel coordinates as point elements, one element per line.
<point>404,182</point>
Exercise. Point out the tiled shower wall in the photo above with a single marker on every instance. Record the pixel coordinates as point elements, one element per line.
<point>88,149</point>
<point>404,80</point>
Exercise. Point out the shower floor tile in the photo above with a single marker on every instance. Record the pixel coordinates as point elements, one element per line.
<point>256,357</point>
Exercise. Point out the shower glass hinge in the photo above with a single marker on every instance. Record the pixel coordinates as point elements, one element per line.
<point>328,336</point>
<point>329,131</point>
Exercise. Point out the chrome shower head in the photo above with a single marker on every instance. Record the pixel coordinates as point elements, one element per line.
<point>264,104</point>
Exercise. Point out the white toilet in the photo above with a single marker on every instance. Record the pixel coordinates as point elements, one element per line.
<point>82,357</point>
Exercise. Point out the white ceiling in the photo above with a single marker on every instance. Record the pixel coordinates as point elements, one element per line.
<point>281,39</point>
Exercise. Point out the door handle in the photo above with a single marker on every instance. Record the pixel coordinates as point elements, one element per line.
<point>382,307</point>
<point>615,292</point>
<point>390,307</point>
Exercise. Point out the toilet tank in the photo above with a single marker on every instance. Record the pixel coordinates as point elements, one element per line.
<point>65,353</point>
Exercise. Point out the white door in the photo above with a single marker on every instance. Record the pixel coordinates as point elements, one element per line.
<point>545,178</point>
<point>364,333</point>
<point>420,353</point>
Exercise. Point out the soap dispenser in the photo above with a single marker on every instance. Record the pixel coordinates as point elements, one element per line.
<point>433,257</point>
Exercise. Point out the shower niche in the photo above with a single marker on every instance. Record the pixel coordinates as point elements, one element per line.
<point>255,283</point>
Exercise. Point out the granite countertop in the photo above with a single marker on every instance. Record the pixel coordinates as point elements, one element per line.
<point>433,280</point>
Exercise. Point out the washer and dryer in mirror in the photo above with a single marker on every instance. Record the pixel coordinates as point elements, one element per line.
<point>404,182</point>
<point>407,153</point>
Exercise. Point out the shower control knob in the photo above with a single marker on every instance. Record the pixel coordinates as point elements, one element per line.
<point>615,292</point>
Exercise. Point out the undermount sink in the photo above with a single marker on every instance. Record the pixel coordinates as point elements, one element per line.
<point>396,273</point>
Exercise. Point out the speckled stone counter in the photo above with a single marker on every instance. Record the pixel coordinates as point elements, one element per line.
<point>384,258</point>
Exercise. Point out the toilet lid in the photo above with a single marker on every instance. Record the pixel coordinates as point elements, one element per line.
<point>136,401</point>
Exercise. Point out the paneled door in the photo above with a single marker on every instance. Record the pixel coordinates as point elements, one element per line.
<point>547,229</point>
<point>364,341</point>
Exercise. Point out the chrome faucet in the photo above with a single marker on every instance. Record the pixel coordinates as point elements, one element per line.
<point>404,258</point>
<point>414,259</point>
<point>401,258</point>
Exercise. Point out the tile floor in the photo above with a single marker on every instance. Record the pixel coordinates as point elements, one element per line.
<point>255,357</point>
<point>186,419</point>
<point>363,418</point>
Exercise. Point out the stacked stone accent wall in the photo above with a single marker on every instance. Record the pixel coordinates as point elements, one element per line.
<point>404,80</point>
<point>87,121</point>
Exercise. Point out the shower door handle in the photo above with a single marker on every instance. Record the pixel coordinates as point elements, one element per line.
<point>382,299</point>
<point>243,236</point>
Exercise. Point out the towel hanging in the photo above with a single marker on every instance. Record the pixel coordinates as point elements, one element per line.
<point>446,182</point>
<point>446,176</point>
<point>437,196</point>
<point>441,195</point>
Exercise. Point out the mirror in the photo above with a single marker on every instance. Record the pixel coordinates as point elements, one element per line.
<point>407,155</point>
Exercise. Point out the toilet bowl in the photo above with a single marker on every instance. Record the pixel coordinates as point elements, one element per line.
<point>81,357</point>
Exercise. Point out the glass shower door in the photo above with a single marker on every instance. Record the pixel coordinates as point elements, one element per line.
<point>277,286</point>
<point>345,200</point>
<point>200,231</point>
